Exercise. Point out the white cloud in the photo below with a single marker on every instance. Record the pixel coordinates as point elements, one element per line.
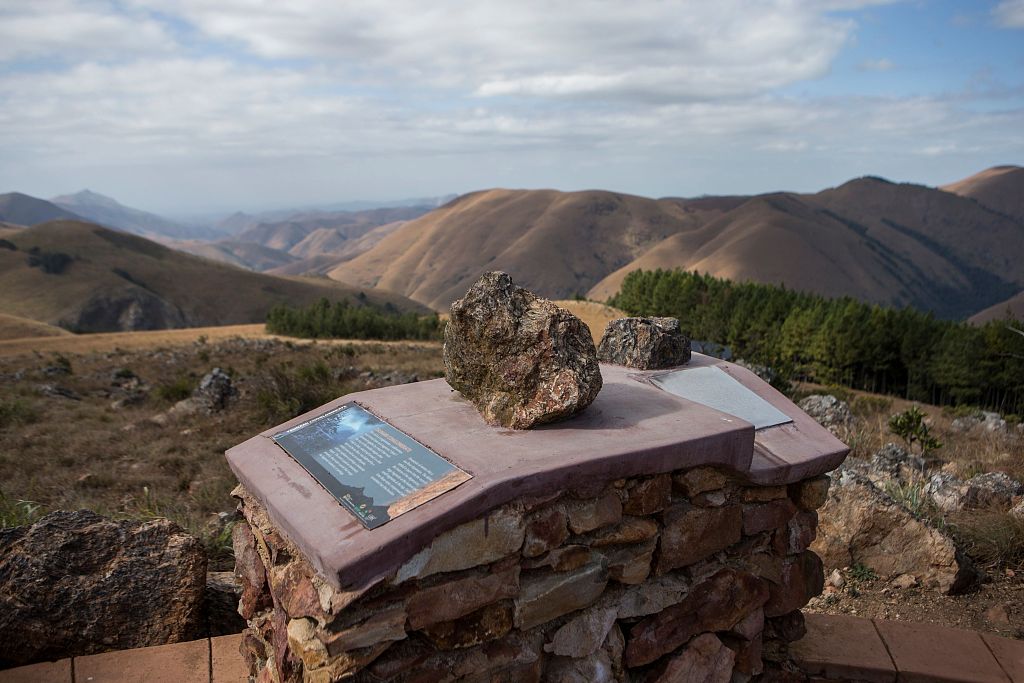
<point>65,30</point>
<point>1010,13</point>
<point>667,49</point>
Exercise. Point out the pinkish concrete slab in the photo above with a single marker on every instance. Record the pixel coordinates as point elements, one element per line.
<point>1009,653</point>
<point>177,663</point>
<point>44,672</point>
<point>632,428</point>
<point>843,648</point>
<point>926,653</point>
<point>226,662</point>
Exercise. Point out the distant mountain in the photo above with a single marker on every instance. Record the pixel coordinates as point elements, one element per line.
<point>1000,188</point>
<point>559,244</point>
<point>109,212</point>
<point>22,209</point>
<point>88,278</point>
<point>883,242</point>
<point>246,255</point>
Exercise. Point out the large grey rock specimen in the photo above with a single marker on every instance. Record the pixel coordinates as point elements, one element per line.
<point>520,359</point>
<point>644,343</point>
<point>861,525</point>
<point>76,583</point>
<point>214,391</point>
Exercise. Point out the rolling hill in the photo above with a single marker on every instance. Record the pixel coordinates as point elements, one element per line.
<point>14,327</point>
<point>882,242</point>
<point>559,244</point>
<point>87,278</point>
<point>878,241</point>
<point>1000,188</point>
<point>23,209</point>
<point>1014,305</point>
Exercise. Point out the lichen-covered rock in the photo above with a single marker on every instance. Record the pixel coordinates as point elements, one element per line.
<point>76,583</point>
<point>895,463</point>
<point>214,391</point>
<point>644,343</point>
<point>520,359</point>
<point>861,525</point>
<point>828,411</point>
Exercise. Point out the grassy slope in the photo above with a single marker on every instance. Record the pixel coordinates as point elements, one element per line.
<point>111,268</point>
<point>13,327</point>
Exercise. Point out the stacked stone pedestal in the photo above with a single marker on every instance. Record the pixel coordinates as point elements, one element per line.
<point>693,575</point>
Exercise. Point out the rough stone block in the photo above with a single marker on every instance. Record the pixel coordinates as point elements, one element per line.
<point>699,480</point>
<point>690,534</point>
<point>630,530</point>
<point>648,496</point>
<point>544,597</point>
<point>644,343</point>
<point>715,605</point>
<point>704,660</point>
<point>475,543</point>
<point>486,624</point>
<point>758,517</point>
<point>802,579</point>
<point>583,634</point>
<point>384,626</point>
<point>810,494</point>
<point>652,596</point>
<point>630,564</point>
<point>457,598</point>
<point>595,513</point>
<point>565,559</point>
<point>763,494</point>
<point>545,530</point>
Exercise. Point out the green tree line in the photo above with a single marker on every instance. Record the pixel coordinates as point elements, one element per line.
<point>804,336</point>
<point>342,320</point>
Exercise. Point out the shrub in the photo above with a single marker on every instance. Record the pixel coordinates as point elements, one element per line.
<point>991,538</point>
<point>178,390</point>
<point>16,411</point>
<point>18,512</point>
<point>285,391</point>
<point>50,262</point>
<point>910,426</point>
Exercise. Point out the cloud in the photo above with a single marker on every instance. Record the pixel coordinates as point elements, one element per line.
<point>64,30</point>
<point>1009,13</point>
<point>651,49</point>
<point>876,65</point>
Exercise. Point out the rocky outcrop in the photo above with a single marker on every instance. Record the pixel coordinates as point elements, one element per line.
<point>644,343</point>
<point>829,411</point>
<point>520,359</point>
<point>861,525</point>
<point>214,391</point>
<point>76,583</point>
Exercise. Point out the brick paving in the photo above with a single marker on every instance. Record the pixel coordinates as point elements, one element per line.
<point>836,648</point>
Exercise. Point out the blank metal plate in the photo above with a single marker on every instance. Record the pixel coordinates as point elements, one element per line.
<point>714,388</point>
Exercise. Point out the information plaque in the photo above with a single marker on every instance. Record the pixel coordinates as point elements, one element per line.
<point>374,470</point>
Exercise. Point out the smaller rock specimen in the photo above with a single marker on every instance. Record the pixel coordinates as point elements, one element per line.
<point>520,359</point>
<point>644,343</point>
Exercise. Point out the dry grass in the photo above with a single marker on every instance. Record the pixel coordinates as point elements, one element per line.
<point>595,315</point>
<point>60,453</point>
<point>14,327</point>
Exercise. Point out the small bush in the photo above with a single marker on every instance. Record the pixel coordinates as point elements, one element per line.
<point>285,391</point>
<point>175,391</point>
<point>18,512</point>
<point>870,405</point>
<point>910,426</point>
<point>64,363</point>
<point>16,411</point>
<point>911,496</point>
<point>991,538</point>
<point>859,572</point>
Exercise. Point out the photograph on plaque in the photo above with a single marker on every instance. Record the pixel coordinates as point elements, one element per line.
<point>374,470</point>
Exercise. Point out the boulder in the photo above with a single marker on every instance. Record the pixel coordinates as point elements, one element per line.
<point>892,462</point>
<point>644,343</point>
<point>520,359</point>
<point>861,525</point>
<point>994,490</point>
<point>76,583</point>
<point>214,391</point>
<point>828,410</point>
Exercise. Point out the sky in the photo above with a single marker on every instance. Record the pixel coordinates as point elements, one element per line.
<point>218,105</point>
